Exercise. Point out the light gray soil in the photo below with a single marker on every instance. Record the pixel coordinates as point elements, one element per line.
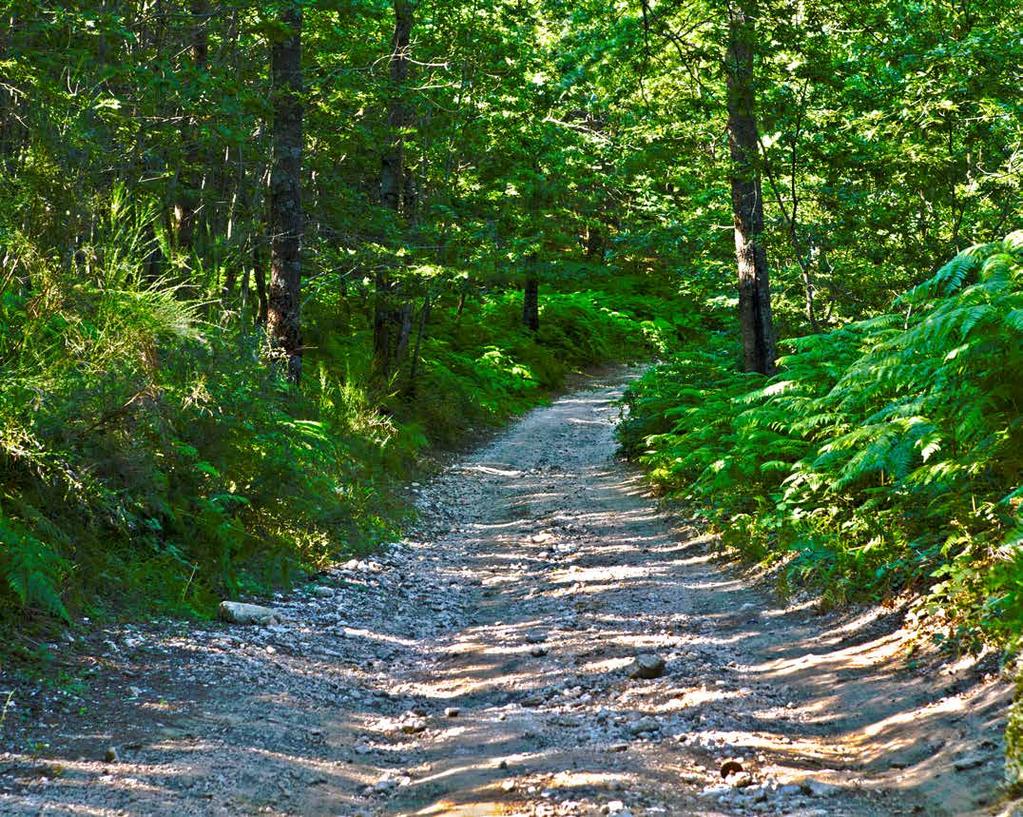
<point>540,569</point>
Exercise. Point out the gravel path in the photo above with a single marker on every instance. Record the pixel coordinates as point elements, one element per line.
<point>482,667</point>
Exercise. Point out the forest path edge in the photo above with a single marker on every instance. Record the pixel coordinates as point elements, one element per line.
<point>513,611</point>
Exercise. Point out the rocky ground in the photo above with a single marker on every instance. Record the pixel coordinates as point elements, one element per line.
<point>488,666</point>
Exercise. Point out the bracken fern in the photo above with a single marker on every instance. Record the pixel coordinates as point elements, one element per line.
<point>884,452</point>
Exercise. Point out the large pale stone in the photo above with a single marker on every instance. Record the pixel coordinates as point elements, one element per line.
<point>647,665</point>
<point>240,613</point>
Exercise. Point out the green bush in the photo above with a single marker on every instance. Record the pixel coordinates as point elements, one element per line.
<point>483,366</point>
<point>150,459</point>
<point>886,452</point>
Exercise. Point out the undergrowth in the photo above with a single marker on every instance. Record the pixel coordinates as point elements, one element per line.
<point>151,460</point>
<point>884,454</point>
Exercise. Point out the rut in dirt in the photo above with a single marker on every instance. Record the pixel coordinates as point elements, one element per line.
<point>482,668</point>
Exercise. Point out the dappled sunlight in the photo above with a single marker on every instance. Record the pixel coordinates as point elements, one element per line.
<point>314,764</point>
<point>482,527</point>
<point>481,808</point>
<point>490,470</point>
<point>863,655</point>
<point>387,638</point>
<point>698,697</point>
<point>605,665</point>
<point>581,422</point>
<point>86,811</point>
<point>521,694</point>
<point>615,574</point>
<point>583,779</point>
<point>596,401</point>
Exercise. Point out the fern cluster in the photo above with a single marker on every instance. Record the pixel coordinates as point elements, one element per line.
<point>884,452</point>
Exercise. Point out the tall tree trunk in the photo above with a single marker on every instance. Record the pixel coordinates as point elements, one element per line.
<point>392,170</point>
<point>282,323</point>
<point>531,299</point>
<point>386,315</point>
<point>188,193</point>
<point>424,316</point>
<point>747,202</point>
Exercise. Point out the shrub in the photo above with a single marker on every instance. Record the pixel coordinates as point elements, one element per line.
<point>150,459</point>
<point>883,453</point>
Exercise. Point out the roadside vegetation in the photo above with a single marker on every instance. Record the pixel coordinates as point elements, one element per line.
<point>884,454</point>
<point>155,463</point>
<point>258,260</point>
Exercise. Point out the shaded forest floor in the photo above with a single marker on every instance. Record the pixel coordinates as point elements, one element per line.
<point>481,667</point>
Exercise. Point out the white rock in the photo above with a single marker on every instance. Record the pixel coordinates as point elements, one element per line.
<point>413,726</point>
<point>238,612</point>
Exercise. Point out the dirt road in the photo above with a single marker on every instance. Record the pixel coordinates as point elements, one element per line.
<point>482,668</point>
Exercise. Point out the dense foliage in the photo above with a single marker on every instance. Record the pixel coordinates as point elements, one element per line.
<point>151,459</point>
<point>149,455</point>
<point>884,452</point>
<point>459,164</point>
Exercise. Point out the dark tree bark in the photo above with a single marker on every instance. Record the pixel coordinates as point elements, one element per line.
<point>531,301</point>
<point>386,314</point>
<point>747,202</point>
<point>531,285</point>
<point>188,194</point>
<point>286,222</point>
<point>594,243</point>
<point>383,323</point>
<point>424,316</point>
<point>404,331</point>
<point>392,170</point>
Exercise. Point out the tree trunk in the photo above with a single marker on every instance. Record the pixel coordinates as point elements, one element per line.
<point>531,301</point>
<point>188,194</point>
<point>282,322</point>
<point>594,243</point>
<point>383,322</point>
<point>392,170</point>
<point>747,203</point>
<point>404,332</point>
<point>259,273</point>
<point>424,316</point>
<point>386,316</point>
